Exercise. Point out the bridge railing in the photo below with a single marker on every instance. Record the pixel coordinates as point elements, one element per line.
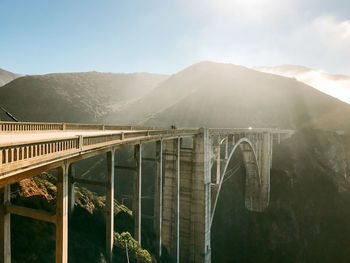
<point>42,126</point>
<point>225,131</point>
<point>23,154</point>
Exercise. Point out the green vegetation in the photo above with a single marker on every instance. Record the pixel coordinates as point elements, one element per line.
<point>34,241</point>
<point>125,244</point>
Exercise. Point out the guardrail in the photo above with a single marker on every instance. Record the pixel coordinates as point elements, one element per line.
<point>23,154</point>
<point>218,131</point>
<point>42,126</point>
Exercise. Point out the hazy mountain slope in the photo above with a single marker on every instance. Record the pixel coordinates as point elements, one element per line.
<point>335,85</point>
<point>225,95</point>
<point>6,77</point>
<point>74,97</point>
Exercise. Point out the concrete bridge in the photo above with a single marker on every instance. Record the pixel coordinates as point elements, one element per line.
<point>191,166</point>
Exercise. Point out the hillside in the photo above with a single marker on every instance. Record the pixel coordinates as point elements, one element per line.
<point>225,95</point>
<point>337,86</point>
<point>74,97</point>
<point>6,77</point>
<point>307,218</point>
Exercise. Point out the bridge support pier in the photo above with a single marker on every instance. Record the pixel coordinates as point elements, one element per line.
<point>62,215</point>
<point>200,251</point>
<point>266,161</point>
<point>186,157</point>
<point>158,198</point>
<point>169,197</point>
<point>136,204</point>
<point>186,200</point>
<point>5,226</point>
<point>71,191</point>
<point>110,206</point>
<point>218,161</point>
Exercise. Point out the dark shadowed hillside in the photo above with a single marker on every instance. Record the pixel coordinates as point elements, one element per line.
<point>6,77</point>
<point>225,95</point>
<point>74,97</point>
<point>307,219</point>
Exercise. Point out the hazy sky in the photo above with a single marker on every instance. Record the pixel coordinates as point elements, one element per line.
<point>42,36</point>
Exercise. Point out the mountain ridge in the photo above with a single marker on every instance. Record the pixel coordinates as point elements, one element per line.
<point>74,97</point>
<point>7,76</point>
<point>206,93</point>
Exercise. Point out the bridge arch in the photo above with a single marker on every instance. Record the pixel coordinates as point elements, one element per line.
<point>253,178</point>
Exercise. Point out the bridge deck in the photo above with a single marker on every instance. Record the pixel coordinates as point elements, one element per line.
<point>7,139</point>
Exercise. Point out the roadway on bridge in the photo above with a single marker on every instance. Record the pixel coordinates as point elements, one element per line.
<point>15,138</point>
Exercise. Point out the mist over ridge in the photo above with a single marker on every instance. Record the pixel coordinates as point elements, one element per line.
<point>335,85</point>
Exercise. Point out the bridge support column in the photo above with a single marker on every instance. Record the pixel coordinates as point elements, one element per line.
<point>110,205</point>
<point>200,250</point>
<point>169,226</point>
<point>5,226</point>
<point>71,192</point>
<point>158,198</point>
<point>186,157</point>
<point>218,161</point>
<point>265,165</point>
<point>62,215</point>
<point>136,204</point>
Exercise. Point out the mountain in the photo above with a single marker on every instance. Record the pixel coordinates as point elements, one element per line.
<point>337,86</point>
<point>225,95</point>
<point>6,77</point>
<point>74,97</point>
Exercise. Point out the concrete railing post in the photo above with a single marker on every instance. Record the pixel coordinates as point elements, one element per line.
<point>110,206</point>
<point>62,215</point>
<point>80,142</point>
<point>5,226</point>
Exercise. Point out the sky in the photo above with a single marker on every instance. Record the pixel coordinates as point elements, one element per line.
<point>165,36</point>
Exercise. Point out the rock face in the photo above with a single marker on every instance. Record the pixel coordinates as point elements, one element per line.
<point>6,77</point>
<point>224,95</point>
<point>74,97</point>
<point>337,86</point>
